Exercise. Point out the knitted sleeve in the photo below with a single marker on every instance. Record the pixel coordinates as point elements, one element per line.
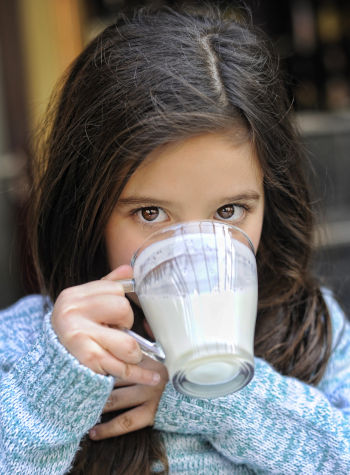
<point>276,424</point>
<point>48,400</point>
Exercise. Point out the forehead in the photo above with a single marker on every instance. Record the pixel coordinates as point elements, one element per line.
<point>202,162</point>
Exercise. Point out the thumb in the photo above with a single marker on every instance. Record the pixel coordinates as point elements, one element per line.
<point>122,272</point>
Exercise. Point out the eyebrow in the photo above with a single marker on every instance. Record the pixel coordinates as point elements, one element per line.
<point>138,200</point>
<point>249,195</point>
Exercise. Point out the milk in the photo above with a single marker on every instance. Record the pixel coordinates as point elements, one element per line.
<point>200,326</point>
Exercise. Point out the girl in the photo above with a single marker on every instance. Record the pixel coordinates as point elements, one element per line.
<point>169,116</point>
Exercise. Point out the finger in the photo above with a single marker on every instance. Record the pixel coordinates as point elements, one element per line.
<point>118,343</point>
<point>109,309</point>
<point>151,364</point>
<point>126,397</point>
<point>129,372</point>
<point>88,353</point>
<point>121,272</point>
<point>95,357</point>
<point>112,310</point>
<point>130,421</point>
<point>96,287</point>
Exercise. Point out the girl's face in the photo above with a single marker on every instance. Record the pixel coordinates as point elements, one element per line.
<point>204,177</point>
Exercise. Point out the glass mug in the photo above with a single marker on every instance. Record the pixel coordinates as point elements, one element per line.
<point>197,285</point>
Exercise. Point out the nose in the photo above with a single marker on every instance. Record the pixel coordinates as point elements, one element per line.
<point>193,215</point>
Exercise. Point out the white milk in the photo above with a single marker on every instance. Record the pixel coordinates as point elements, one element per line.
<point>201,322</point>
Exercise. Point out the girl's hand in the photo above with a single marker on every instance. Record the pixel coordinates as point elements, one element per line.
<point>144,401</point>
<point>83,317</point>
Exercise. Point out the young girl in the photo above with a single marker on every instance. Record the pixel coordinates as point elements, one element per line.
<point>166,117</point>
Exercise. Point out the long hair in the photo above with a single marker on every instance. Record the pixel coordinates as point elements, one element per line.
<point>156,77</point>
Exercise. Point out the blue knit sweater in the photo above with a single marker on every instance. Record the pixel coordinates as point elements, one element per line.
<point>277,424</point>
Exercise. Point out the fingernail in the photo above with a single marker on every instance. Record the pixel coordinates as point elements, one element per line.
<point>92,434</point>
<point>156,378</point>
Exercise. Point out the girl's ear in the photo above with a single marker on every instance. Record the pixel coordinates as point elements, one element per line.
<point>121,272</point>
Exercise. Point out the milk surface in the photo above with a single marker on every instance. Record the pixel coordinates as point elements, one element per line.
<point>182,324</point>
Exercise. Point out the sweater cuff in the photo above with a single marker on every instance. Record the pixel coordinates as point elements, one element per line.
<point>179,413</point>
<point>58,386</point>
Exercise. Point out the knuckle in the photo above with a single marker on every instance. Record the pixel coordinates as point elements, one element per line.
<point>91,358</point>
<point>132,347</point>
<point>112,400</point>
<point>126,422</point>
<point>127,371</point>
<point>125,312</point>
<point>65,306</point>
<point>125,307</point>
<point>67,295</point>
<point>76,337</point>
<point>69,314</point>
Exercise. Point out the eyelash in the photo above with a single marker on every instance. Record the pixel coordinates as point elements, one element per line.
<point>243,207</point>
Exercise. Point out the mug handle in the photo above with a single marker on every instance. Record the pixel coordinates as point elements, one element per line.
<point>127,284</point>
<point>153,350</point>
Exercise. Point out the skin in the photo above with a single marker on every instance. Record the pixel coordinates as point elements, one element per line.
<point>204,177</point>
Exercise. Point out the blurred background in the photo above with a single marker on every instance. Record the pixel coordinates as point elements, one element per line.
<point>39,39</point>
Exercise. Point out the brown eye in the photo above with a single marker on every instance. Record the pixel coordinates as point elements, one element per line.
<point>230,212</point>
<point>226,211</point>
<point>150,214</point>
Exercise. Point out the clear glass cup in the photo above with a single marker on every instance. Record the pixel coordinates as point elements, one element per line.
<point>197,284</point>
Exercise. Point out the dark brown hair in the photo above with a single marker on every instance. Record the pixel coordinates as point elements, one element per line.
<point>161,76</point>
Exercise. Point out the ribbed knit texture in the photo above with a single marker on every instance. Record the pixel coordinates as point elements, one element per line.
<point>277,424</point>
